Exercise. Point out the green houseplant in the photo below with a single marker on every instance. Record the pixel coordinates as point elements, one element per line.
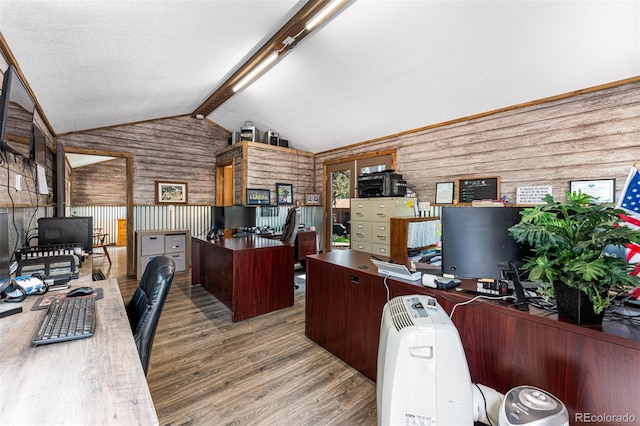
<point>568,240</point>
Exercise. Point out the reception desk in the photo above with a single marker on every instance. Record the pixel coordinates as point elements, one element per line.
<point>93,381</point>
<point>250,275</point>
<point>594,371</point>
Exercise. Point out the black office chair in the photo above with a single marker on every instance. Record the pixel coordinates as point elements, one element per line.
<point>145,306</point>
<point>290,230</point>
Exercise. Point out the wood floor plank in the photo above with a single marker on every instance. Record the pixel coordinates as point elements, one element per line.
<point>207,370</point>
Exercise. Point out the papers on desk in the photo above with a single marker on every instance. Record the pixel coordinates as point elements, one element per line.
<point>423,234</point>
<point>396,270</point>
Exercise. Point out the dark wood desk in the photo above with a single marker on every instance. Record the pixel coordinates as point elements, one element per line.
<point>306,244</point>
<point>591,370</point>
<point>250,275</point>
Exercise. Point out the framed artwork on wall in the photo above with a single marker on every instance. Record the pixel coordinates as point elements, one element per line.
<point>171,192</point>
<point>444,192</point>
<point>313,199</point>
<point>258,197</point>
<point>284,194</point>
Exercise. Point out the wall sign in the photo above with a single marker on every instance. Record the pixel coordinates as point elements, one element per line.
<point>482,188</point>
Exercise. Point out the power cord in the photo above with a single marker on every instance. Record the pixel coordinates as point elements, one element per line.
<point>476,298</point>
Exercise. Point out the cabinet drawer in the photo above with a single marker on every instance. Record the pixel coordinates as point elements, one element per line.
<point>361,231</point>
<point>361,246</point>
<point>151,244</point>
<point>360,209</point>
<point>174,243</point>
<point>380,233</point>
<point>179,259</point>
<point>386,208</point>
<point>383,249</point>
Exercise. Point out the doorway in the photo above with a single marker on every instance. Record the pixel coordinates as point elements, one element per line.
<point>225,185</point>
<point>340,186</point>
<point>63,190</point>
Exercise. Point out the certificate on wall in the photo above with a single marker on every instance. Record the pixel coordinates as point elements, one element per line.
<point>603,190</point>
<point>444,192</point>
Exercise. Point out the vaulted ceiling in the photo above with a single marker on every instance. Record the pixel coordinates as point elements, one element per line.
<point>374,69</point>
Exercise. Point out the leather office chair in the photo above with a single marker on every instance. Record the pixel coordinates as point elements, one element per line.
<point>145,306</point>
<point>290,230</point>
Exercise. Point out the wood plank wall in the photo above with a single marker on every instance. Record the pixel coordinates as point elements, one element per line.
<point>100,184</point>
<point>592,135</point>
<point>268,165</point>
<point>178,149</point>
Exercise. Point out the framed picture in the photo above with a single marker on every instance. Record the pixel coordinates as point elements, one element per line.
<point>171,192</point>
<point>258,197</point>
<point>284,193</point>
<point>444,192</point>
<point>603,190</point>
<point>313,199</point>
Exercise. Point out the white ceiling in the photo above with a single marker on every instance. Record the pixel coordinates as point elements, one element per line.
<point>377,68</point>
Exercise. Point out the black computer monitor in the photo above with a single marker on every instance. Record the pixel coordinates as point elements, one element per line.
<point>217,217</point>
<point>239,217</point>
<point>476,241</point>
<point>5,257</point>
<point>66,230</point>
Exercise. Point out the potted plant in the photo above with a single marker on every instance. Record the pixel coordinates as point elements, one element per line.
<point>568,241</point>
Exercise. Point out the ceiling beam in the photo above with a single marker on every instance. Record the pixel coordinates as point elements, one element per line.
<point>295,28</point>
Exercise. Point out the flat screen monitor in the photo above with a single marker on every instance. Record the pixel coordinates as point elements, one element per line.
<point>5,257</point>
<point>239,217</point>
<point>217,217</point>
<point>66,230</point>
<point>16,113</point>
<point>476,241</point>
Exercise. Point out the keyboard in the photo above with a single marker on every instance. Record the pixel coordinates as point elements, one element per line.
<point>67,319</point>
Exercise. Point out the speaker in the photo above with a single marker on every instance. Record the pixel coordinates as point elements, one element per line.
<point>284,143</point>
<point>234,137</point>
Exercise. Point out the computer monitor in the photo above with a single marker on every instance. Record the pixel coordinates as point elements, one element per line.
<point>217,217</point>
<point>5,257</point>
<point>476,241</point>
<point>239,217</point>
<point>66,230</point>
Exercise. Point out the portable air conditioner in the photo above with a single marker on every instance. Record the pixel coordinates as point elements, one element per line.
<point>423,376</point>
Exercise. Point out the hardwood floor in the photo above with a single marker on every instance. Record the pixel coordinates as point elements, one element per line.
<point>206,370</point>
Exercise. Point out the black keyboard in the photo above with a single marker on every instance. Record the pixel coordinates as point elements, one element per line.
<point>67,319</point>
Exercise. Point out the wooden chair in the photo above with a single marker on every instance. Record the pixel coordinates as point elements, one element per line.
<point>99,241</point>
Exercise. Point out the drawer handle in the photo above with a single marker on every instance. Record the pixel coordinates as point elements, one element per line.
<point>354,279</point>
<point>153,238</point>
<point>381,237</point>
<point>382,214</point>
<point>359,234</point>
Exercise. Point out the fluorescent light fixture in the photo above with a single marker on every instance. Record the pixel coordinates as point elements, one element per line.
<point>311,23</point>
<point>256,71</point>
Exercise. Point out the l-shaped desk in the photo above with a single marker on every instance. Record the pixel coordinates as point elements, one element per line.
<point>593,371</point>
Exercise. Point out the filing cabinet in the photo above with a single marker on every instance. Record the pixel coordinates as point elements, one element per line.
<point>170,243</point>
<point>371,222</point>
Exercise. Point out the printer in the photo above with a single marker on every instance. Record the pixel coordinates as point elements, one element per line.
<point>381,184</point>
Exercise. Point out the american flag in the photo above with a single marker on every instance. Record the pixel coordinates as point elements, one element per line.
<point>630,202</point>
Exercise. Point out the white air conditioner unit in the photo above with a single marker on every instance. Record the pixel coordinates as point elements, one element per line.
<point>423,376</point>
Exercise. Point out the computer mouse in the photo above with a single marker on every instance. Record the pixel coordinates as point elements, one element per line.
<point>80,291</point>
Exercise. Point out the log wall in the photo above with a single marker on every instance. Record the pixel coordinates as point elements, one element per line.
<point>100,184</point>
<point>178,149</point>
<point>592,135</point>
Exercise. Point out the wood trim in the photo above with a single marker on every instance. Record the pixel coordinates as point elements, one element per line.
<point>391,152</point>
<point>264,146</point>
<point>486,114</point>
<point>294,27</point>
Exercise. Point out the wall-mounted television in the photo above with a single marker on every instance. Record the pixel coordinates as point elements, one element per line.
<point>38,151</point>
<point>16,114</point>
